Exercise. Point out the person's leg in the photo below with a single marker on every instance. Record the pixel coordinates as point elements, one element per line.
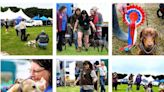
<point>16,31</point>
<point>75,40</point>
<point>22,34</point>
<point>59,44</point>
<point>102,83</point>
<point>86,39</point>
<point>116,28</point>
<point>80,35</point>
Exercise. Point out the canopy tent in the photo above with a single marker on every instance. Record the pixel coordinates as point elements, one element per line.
<point>36,18</point>
<point>150,79</point>
<point>43,18</point>
<point>162,80</point>
<point>12,15</point>
<point>8,14</point>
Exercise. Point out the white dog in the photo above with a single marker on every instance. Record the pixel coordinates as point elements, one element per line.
<point>31,43</point>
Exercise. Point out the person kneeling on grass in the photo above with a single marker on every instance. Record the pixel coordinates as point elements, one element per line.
<point>87,78</point>
<point>42,39</point>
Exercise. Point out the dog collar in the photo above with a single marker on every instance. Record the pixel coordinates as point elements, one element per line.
<point>143,48</point>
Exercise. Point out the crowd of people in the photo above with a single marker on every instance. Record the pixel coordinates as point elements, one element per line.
<point>42,38</point>
<point>91,76</point>
<point>80,26</point>
<point>147,87</point>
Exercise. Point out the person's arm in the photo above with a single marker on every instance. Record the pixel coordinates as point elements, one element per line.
<point>92,25</point>
<point>37,38</point>
<point>78,79</point>
<point>75,26</point>
<point>94,76</point>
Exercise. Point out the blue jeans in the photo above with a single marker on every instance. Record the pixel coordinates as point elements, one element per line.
<point>102,83</point>
<point>82,90</point>
<point>42,44</point>
<point>75,39</point>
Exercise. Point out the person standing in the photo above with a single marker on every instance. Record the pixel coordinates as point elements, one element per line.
<point>138,81</point>
<point>130,83</point>
<point>61,26</point>
<point>73,19</point>
<point>103,76</point>
<point>22,27</point>
<point>7,25</point>
<point>114,80</point>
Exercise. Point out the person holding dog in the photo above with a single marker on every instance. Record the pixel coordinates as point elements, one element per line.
<point>87,77</point>
<point>83,23</point>
<point>42,69</point>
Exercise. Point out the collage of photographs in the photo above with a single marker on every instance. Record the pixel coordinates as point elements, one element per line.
<point>81,46</point>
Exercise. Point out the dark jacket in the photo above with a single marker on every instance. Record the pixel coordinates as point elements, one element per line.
<point>42,38</point>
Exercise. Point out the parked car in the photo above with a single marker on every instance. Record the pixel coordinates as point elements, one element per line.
<point>37,23</point>
<point>29,23</point>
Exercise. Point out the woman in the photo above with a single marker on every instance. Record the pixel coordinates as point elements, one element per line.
<point>22,27</point>
<point>61,26</point>
<point>73,19</point>
<point>83,23</point>
<point>42,69</point>
<point>87,78</point>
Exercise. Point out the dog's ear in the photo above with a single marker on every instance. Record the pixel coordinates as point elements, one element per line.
<point>156,36</point>
<point>141,34</point>
<point>18,80</point>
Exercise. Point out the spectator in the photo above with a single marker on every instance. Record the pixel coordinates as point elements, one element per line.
<point>103,76</point>
<point>7,25</point>
<point>114,80</point>
<point>61,26</point>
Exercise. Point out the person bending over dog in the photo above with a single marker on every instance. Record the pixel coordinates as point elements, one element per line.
<point>42,39</point>
<point>83,23</point>
<point>87,78</point>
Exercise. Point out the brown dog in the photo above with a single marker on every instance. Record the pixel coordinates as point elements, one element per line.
<point>27,85</point>
<point>148,41</point>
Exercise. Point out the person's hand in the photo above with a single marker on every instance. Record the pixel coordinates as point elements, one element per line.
<point>74,84</point>
<point>56,30</point>
<point>122,8</point>
<point>74,30</point>
<point>41,84</point>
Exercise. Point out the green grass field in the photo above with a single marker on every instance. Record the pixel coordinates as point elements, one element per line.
<point>72,89</point>
<point>123,87</point>
<point>152,21</point>
<point>70,50</point>
<point>13,45</point>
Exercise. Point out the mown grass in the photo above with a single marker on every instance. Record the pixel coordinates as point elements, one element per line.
<point>13,45</point>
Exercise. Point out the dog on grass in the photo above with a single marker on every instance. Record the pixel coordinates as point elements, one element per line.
<point>31,43</point>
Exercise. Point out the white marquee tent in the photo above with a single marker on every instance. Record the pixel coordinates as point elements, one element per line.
<point>12,15</point>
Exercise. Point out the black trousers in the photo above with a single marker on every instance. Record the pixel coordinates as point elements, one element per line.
<point>138,86</point>
<point>61,37</point>
<point>23,34</point>
<point>16,32</point>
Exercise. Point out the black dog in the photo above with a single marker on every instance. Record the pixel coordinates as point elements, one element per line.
<point>26,37</point>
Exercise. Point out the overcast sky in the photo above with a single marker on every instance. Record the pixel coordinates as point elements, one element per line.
<point>139,65</point>
<point>27,3</point>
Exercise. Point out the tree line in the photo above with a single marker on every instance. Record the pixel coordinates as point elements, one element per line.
<point>31,12</point>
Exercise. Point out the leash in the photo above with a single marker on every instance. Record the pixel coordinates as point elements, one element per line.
<point>143,48</point>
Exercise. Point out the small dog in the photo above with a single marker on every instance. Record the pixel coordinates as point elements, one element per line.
<point>28,85</point>
<point>148,41</point>
<point>31,43</point>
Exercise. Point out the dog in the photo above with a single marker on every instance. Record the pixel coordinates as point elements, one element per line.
<point>97,42</point>
<point>148,41</point>
<point>28,85</point>
<point>31,43</point>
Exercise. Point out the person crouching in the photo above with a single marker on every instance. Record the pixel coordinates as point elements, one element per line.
<point>42,39</point>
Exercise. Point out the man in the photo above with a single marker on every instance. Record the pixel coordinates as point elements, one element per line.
<point>103,76</point>
<point>138,81</point>
<point>42,39</point>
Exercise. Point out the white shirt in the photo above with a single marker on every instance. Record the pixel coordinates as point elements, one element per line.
<point>103,70</point>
